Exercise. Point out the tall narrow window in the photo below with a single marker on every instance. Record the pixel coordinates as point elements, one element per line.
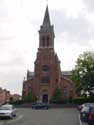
<point>43,41</point>
<point>47,41</point>
<point>65,93</point>
<point>45,79</point>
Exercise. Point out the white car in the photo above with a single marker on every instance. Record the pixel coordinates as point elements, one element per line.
<point>7,110</point>
<point>85,105</point>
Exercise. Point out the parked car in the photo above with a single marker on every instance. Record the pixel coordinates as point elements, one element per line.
<point>83,105</point>
<point>40,106</point>
<point>7,110</point>
<point>87,115</point>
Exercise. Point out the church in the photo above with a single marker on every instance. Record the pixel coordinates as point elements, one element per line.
<point>47,73</point>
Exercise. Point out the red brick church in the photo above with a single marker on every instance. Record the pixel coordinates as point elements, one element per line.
<point>47,74</point>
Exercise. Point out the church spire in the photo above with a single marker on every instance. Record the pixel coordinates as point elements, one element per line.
<point>46,21</point>
<point>46,32</point>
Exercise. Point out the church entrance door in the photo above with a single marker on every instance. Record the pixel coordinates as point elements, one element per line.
<point>45,98</point>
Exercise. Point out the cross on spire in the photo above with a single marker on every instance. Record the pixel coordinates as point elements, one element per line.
<point>47,2</point>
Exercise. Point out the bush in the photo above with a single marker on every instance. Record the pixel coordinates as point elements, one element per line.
<point>30,98</point>
<point>57,96</point>
<point>18,102</point>
<point>81,100</point>
<point>91,99</point>
<point>56,101</point>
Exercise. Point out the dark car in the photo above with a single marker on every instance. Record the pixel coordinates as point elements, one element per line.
<point>87,115</point>
<point>40,106</point>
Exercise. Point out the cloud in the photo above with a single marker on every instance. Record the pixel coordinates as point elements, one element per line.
<point>89,5</point>
<point>12,73</point>
<point>78,30</point>
<point>12,80</point>
<point>12,70</point>
<point>19,22</point>
<point>9,8</point>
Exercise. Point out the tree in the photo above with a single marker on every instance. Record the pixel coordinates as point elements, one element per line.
<point>11,100</point>
<point>29,97</point>
<point>83,73</point>
<point>57,96</point>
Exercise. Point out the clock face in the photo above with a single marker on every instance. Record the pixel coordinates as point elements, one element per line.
<point>45,68</point>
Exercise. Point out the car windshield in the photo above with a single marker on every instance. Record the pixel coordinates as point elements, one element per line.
<point>5,108</point>
<point>85,109</point>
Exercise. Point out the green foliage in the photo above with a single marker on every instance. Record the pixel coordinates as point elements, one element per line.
<point>30,97</point>
<point>57,96</point>
<point>18,102</point>
<point>83,73</point>
<point>81,100</point>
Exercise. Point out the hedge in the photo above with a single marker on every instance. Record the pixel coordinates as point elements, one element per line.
<point>81,100</point>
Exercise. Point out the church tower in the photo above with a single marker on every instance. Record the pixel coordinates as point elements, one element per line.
<point>47,65</point>
<point>46,33</point>
<point>47,75</point>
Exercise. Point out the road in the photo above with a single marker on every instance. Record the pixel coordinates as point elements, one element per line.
<point>58,116</point>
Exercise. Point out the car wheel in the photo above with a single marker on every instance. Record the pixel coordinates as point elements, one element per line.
<point>11,115</point>
<point>45,107</point>
<point>14,115</point>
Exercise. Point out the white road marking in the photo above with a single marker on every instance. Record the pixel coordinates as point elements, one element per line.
<point>14,120</point>
<point>79,119</point>
<point>81,123</point>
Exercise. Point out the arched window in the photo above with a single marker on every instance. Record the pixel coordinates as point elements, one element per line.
<point>45,68</point>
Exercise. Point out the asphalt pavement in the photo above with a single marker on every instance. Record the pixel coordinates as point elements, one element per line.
<point>54,116</point>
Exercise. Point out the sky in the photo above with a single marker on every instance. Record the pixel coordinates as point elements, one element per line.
<point>20,22</point>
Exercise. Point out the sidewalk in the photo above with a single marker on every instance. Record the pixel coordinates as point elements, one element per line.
<point>63,105</point>
<point>68,105</point>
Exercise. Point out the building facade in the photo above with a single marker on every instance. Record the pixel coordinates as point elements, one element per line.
<point>4,96</point>
<point>47,73</point>
<point>16,97</point>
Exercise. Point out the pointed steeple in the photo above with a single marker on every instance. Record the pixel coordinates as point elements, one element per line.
<point>46,32</point>
<point>46,21</point>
